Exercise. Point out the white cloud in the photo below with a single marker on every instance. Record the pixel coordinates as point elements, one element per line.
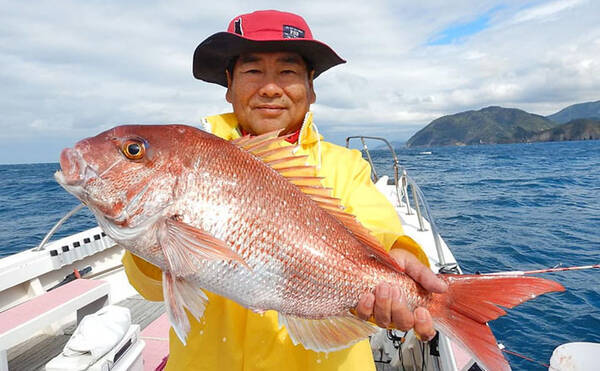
<point>70,69</point>
<point>545,12</point>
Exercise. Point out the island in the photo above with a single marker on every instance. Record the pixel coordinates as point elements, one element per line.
<point>499,125</point>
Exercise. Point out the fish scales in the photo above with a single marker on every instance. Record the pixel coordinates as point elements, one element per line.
<point>277,243</point>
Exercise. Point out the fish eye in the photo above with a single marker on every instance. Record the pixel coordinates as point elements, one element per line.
<point>133,149</point>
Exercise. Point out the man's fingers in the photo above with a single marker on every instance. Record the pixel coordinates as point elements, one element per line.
<point>424,324</point>
<point>364,308</point>
<point>383,305</point>
<point>402,318</point>
<point>423,275</point>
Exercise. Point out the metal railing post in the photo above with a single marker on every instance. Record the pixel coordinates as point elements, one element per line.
<point>418,208</point>
<point>376,178</point>
<point>405,191</point>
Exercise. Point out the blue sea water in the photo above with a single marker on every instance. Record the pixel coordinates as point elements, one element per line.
<point>499,208</point>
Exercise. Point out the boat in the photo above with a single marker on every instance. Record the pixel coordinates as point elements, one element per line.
<point>46,290</point>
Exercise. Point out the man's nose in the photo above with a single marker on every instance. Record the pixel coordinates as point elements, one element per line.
<point>271,90</point>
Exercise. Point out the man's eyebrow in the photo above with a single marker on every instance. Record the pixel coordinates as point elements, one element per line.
<point>293,59</point>
<point>288,59</point>
<point>248,58</point>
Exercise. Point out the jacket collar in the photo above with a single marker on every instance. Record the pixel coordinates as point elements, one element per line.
<point>226,126</point>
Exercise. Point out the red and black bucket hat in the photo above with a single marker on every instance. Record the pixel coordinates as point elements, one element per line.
<point>260,31</point>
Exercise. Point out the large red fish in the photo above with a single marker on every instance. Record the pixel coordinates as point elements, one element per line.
<point>249,221</point>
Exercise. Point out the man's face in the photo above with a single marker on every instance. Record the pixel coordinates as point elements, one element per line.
<point>270,91</point>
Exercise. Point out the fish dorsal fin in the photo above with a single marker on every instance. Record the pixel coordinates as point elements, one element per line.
<point>247,141</point>
<point>281,159</point>
<point>316,190</point>
<point>370,243</point>
<point>287,161</point>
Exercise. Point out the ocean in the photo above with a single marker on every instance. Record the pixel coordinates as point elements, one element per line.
<point>498,207</point>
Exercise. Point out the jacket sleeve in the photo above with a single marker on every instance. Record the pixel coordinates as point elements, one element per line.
<point>361,198</point>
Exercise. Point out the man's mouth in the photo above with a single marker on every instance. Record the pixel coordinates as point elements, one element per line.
<point>270,109</point>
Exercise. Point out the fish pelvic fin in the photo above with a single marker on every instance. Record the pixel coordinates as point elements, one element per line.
<point>180,241</point>
<point>327,334</point>
<point>179,295</point>
<point>472,300</point>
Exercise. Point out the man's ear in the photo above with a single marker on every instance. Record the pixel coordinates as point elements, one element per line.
<point>312,96</point>
<point>228,93</point>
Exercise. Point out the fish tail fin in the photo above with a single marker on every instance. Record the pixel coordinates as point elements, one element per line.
<point>472,300</point>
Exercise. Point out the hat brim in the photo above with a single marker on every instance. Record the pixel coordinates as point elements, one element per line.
<point>213,54</point>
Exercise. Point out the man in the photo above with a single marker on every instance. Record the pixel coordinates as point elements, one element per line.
<point>268,60</point>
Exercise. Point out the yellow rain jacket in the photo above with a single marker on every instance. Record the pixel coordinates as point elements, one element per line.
<point>233,338</point>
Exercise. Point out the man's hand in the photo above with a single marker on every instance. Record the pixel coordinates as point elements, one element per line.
<point>388,306</point>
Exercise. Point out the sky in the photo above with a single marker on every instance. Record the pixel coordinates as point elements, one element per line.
<point>72,69</point>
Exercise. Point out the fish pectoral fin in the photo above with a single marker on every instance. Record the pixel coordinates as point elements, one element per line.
<point>180,240</point>
<point>327,334</point>
<point>178,295</point>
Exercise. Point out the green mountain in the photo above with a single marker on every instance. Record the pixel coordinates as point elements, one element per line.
<point>489,125</point>
<point>587,110</point>
<point>580,129</point>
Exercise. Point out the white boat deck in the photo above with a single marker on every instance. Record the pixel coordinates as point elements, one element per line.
<point>37,351</point>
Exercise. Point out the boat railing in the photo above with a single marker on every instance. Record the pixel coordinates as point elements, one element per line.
<point>396,163</point>
<point>56,226</point>
<point>402,182</point>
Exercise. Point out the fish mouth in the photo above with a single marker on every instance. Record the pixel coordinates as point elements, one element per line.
<point>74,173</point>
